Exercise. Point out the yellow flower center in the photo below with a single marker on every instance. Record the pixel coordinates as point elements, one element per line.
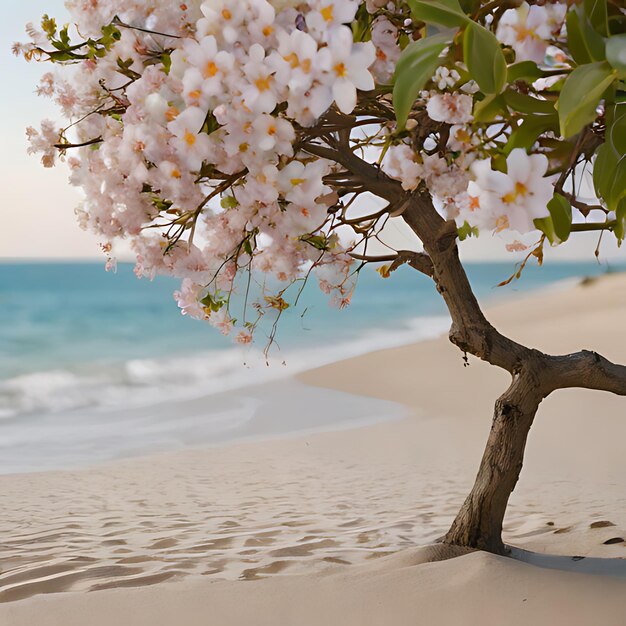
<point>340,69</point>
<point>267,31</point>
<point>271,130</point>
<point>520,190</point>
<point>171,114</point>
<point>523,32</point>
<point>296,181</point>
<point>292,59</point>
<point>263,84</point>
<point>327,13</point>
<point>226,14</point>
<point>210,70</point>
<point>462,136</point>
<point>176,173</point>
<point>190,138</point>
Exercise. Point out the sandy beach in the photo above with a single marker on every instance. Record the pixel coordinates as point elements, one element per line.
<point>330,527</point>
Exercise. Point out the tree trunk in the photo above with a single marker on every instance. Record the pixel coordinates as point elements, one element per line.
<point>479,522</point>
<point>535,374</point>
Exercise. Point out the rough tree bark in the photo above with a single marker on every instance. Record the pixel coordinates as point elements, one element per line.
<point>534,375</point>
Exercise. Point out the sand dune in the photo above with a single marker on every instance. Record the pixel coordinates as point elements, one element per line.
<point>330,521</point>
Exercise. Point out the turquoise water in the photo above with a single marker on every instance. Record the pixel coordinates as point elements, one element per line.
<point>77,342</point>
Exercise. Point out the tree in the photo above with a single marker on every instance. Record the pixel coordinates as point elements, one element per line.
<point>229,140</point>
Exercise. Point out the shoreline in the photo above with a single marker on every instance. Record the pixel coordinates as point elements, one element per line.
<point>217,418</point>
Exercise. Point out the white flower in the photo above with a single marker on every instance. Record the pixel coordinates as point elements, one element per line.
<point>222,18</point>
<point>450,108</point>
<point>513,200</point>
<point>445,77</point>
<point>222,321</point>
<point>209,66</point>
<point>400,163</point>
<point>385,38</point>
<point>191,145</point>
<point>348,66</point>
<point>528,28</point>
<point>461,139</point>
<point>188,300</point>
<point>44,142</point>
<point>259,95</point>
<point>325,14</point>
<point>295,60</point>
<point>273,133</point>
<point>303,184</point>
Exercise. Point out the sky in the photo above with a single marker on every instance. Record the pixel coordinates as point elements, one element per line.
<point>37,209</point>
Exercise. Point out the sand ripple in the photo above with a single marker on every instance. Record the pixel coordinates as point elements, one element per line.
<point>207,513</point>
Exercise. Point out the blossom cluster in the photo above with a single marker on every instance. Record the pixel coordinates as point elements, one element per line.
<point>188,123</point>
<point>239,77</point>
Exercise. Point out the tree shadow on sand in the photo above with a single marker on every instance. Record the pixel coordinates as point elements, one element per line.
<point>580,564</point>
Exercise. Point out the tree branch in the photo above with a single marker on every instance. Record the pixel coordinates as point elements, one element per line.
<point>417,260</point>
<point>587,370</point>
<point>470,330</point>
<point>372,178</point>
<point>593,226</point>
<point>67,146</point>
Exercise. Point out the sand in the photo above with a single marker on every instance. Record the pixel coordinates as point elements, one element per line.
<point>325,528</point>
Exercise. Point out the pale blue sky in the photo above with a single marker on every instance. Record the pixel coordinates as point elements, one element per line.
<point>37,211</point>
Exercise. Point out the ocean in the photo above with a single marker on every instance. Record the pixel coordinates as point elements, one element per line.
<point>96,366</point>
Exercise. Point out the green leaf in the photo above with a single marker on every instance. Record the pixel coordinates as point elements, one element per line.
<point>320,242</point>
<point>581,94</point>
<point>49,25</point>
<point>616,53</point>
<point>561,216</point>
<point>228,202</point>
<point>470,6</point>
<point>596,11</point>
<point>444,12</point>
<point>525,135</point>
<point>488,108</point>
<point>584,43</point>
<point>215,304</point>
<point>558,226</point>
<point>466,231</point>
<point>620,217</point>
<point>616,132</point>
<point>609,167</point>
<point>484,58</point>
<point>362,25</point>
<point>166,59</point>
<point>617,191</point>
<point>527,104</point>
<point>604,169</point>
<point>415,68</point>
<point>546,226</point>
<point>525,70</point>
